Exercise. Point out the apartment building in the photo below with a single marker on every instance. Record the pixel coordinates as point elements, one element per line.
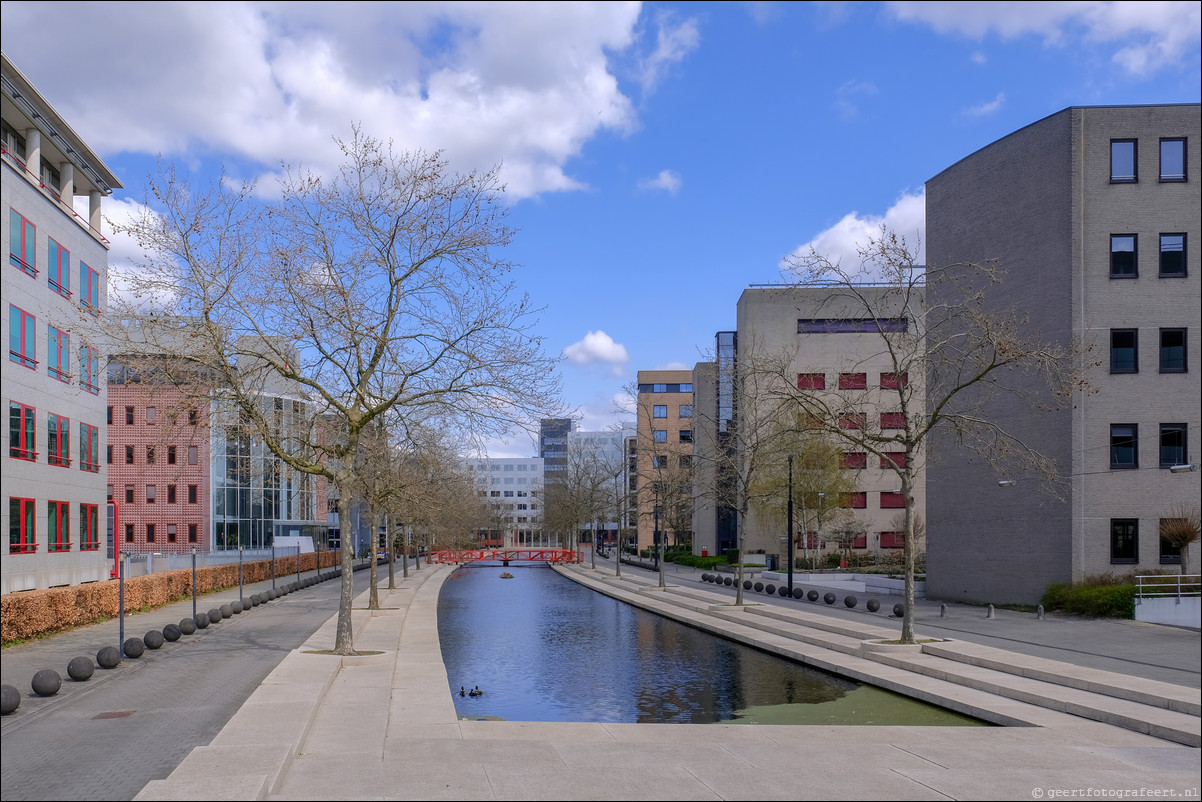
<point>54,291</point>
<point>512,491</point>
<point>1094,215</point>
<point>665,497</point>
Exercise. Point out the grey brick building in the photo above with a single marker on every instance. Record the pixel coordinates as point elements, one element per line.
<point>1094,215</point>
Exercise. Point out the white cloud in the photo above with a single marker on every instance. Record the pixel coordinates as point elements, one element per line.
<point>525,85</point>
<point>667,180</point>
<point>597,347</point>
<point>840,243</point>
<point>1150,36</point>
<point>673,41</point>
<point>986,108</point>
<point>847,97</point>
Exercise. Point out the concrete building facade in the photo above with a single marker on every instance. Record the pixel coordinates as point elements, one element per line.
<point>512,490</point>
<point>1094,214</point>
<point>54,290</point>
<point>665,497</point>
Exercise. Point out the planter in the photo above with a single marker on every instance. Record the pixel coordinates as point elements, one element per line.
<point>893,647</point>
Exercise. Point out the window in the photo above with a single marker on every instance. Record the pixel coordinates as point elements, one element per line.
<point>89,448</point>
<point>191,533</point>
<point>89,289</point>
<point>193,417</point>
<point>1172,351</point>
<point>892,501</point>
<point>1172,160</point>
<point>22,431</point>
<point>686,388</point>
<point>659,411</point>
<point>58,440</point>
<point>129,416</point>
<point>22,537</point>
<point>1124,540</point>
<point>1122,161</point>
<point>59,259</point>
<point>854,460</point>
<point>894,325</point>
<point>893,458</point>
<point>58,525</point>
<point>89,370</point>
<point>893,420</point>
<point>894,381</point>
<point>1124,351</point>
<point>149,533</point>
<point>170,455</point>
<point>1124,445</point>
<point>150,455</point>
<point>191,455</point>
<point>191,494</point>
<point>150,491</point>
<point>170,533</point>
<point>109,450</point>
<point>686,462</point>
<point>59,343</point>
<point>1172,255</point>
<point>22,248</point>
<point>110,416</point>
<point>659,435</point>
<point>855,501</point>
<point>852,420</point>
<point>892,540</point>
<point>686,435</point>
<point>89,531</point>
<point>659,461</point>
<point>22,340</point>
<point>170,494</point>
<point>686,410</point>
<point>129,455</point>
<point>1172,444</point>
<point>1169,554</point>
<point>811,381</point>
<point>129,494</point>
<point>853,381</point>
<point>151,415</point>
<point>1123,263</point>
<point>659,388</point>
<point>129,533</point>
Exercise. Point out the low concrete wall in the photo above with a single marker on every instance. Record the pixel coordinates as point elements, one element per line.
<point>851,583</point>
<point>1183,612</point>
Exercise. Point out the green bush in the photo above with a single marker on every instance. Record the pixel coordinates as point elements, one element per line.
<point>695,561</point>
<point>1104,596</point>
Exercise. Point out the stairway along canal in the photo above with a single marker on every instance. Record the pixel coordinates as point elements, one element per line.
<point>540,647</point>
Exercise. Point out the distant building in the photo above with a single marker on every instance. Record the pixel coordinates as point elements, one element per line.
<point>553,444</point>
<point>512,491</point>
<point>54,290</point>
<point>665,457</point>
<point>1095,217</point>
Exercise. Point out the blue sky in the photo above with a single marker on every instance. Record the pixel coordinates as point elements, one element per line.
<point>660,157</point>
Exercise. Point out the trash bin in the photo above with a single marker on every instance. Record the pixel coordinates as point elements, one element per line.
<point>770,561</point>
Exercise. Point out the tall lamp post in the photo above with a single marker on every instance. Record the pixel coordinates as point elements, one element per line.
<point>789,568</point>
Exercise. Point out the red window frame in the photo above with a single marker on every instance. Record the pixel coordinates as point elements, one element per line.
<point>58,526</point>
<point>811,381</point>
<point>892,540</point>
<point>22,531</point>
<point>89,527</point>
<point>889,381</point>
<point>58,440</point>
<point>892,501</point>
<point>89,288</point>
<point>22,431</point>
<point>860,542</point>
<point>854,460</point>
<point>58,347</point>
<point>893,420</point>
<point>89,369</point>
<point>23,237</point>
<point>853,381</point>
<point>60,268</point>
<point>192,533</point>
<point>854,501</point>
<point>22,327</point>
<point>898,458</point>
<point>852,420</point>
<point>89,448</point>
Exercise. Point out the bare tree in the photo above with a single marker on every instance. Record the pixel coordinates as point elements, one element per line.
<point>379,289</point>
<point>944,361</point>
<point>1182,529</point>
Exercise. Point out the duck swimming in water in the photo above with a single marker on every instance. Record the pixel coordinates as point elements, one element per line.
<point>462,692</point>
<point>475,691</point>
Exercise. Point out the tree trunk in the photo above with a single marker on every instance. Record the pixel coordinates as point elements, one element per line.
<point>907,633</point>
<point>373,593</point>
<point>344,637</point>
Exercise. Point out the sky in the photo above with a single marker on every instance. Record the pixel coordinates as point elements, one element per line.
<point>659,157</point>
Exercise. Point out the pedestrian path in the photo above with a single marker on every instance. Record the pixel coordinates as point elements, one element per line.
<point>384,726</point>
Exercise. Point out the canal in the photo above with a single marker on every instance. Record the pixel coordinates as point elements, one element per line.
<point>541,647</point>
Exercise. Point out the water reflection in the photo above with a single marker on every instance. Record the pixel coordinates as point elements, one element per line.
<point>543,648</point>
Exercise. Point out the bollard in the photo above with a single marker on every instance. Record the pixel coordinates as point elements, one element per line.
<point>1039,612</point>
<point>943,611</point>
<point>990,613</point>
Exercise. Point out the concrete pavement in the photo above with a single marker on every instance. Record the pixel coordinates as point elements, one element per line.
<point>383,726</point>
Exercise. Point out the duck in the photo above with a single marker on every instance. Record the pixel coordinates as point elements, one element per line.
<point>475,691</point>
<point>462,692</point>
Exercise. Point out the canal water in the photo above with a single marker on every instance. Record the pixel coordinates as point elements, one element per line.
<point>541,647</point>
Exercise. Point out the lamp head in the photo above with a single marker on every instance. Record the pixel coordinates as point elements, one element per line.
<point>1183,469</point>
<point>1006,483</point>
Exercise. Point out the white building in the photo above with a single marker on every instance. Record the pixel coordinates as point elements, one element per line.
<point>512,490</point>
<point>54,291</point>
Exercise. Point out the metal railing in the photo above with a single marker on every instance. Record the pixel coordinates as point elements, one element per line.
<point>1168,586</point>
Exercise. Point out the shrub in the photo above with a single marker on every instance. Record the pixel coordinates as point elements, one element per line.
<point>695,561</point>
<point>1103,596</point>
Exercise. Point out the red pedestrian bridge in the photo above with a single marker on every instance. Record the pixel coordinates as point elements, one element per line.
<point>505,555</point>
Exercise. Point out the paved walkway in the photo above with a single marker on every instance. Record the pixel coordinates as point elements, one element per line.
<point>383,726</point>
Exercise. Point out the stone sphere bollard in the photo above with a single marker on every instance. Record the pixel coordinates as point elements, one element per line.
<point>728,581</point>
<point>256,600</point>
<point>759,587</point>
<point>80,669</point>
<point>812,595</point>
<point>187,626</point>
<point>899,610</point>
<point>154,639</point>
<point>770,589</point>
<point>201,620</point>
<point>215,615</point>
<point>227,610</point>
<point>108,657</point>
<point>747,584</point>
<point>873,605</point>
<point>798,593</point>
<point>134,647</point>
<point>47,682</point>
<point>705,577</point>
<point>850,601</point>
<point>829,598</point>
<point>171,633</point>
<point>10,699</point>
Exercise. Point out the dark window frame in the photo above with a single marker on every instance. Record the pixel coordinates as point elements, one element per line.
<point>1121,439</point>
<point>1124,545</point>
<point>1184,365</point>
<point>1134,348</point>
<point>1117,270</point>
<point>1184,271</point>
<point>1174,178</point>
<point>1182,432</point>
<point>1133,178</point>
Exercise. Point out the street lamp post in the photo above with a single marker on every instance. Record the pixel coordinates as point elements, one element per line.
<point>790,527</point>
